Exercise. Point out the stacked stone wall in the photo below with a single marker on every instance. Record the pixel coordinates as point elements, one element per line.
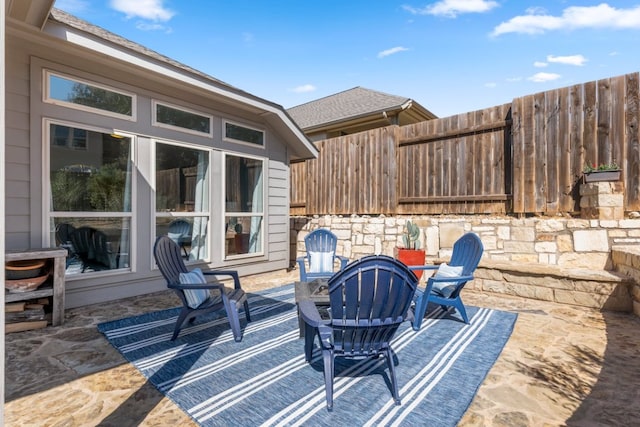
<point>626,260</point>
<point>563,260</point>
<point>565,242</point>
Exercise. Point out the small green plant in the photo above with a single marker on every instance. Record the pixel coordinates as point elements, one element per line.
<point>411,236</point>
<point>613,166</point>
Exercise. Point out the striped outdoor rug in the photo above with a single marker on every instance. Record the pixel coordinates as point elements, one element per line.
<point>264,379</point>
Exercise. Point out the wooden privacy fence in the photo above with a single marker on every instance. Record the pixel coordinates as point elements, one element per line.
<point>525,157</point>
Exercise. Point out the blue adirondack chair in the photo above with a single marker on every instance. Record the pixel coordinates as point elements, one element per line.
<point>445,286</point>
<point>369,299</point>
<point>320,259</point>
<point>195,293</point>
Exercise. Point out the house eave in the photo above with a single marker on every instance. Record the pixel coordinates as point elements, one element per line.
<point>30,12</point>
<point>300,147</point>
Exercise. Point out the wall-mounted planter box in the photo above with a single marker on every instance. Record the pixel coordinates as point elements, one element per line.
<point>599,176</point>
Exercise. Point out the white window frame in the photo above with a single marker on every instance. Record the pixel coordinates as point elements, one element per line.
<point>238,141</point>
<point>224,215</point>
<point>49,214</point>
<point>46,95</point>
<point>155,122</point>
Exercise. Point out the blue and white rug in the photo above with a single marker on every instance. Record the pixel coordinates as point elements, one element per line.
<point>264,380</point>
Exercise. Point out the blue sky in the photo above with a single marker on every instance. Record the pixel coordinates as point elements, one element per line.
<point>451,56</point>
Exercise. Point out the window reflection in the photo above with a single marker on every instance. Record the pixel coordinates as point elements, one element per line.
<point>244,209</point>
<point>90,198</point>
<point>79,93</point>
<point>182,187</point>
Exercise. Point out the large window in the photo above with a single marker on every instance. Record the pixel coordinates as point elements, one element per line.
<point>90,197</point>
<point>75,93</point>
<point>182,197</point>
<point>244,207</point>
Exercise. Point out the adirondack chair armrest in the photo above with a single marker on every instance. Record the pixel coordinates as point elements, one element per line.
<point>458,279</point>
<point>302,267</point>
<point>232,273</point>
<point>309,313</point>
<point>301,262</point>
<point>343,261</point>
<point>424,267</point>
<point>217,286</point>
<point>447,287</point>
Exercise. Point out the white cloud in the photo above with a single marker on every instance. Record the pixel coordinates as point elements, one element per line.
<point>514,79</point>
<point>537,21</point>
<point>490,84</point>
<point>453,8</point>
<point>577,60</point>
<point>391,51</point>
<point>544,77</point>
<point>304,89</point>
<point>540,64</point>
<point>152,10</point>
<point>146,26</point>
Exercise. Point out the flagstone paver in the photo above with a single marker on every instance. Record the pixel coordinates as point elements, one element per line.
<point>563,365</point>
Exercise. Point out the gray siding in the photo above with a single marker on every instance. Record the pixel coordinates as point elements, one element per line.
<point>17,154</point>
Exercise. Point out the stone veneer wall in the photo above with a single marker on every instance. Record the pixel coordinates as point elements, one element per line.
<point>564,242</point>
<point>575,251</point>
<point>626,260</point>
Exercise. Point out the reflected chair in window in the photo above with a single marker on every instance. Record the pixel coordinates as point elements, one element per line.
<point>320,259</point>
<point>198,296</point>
<point>368,300</point>
<point>92,247</point>
<point>445,285</point>
<point>180,232</point>
<point>63,239</point>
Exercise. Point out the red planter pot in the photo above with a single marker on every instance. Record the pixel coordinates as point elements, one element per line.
<point>411,257</point>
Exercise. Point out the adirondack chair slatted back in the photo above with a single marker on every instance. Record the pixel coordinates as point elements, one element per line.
<point>467,252</point>
<point>91,246</point>
<point>369,300</point>
<point>320,260</point>
<point>169,260</point>
<point>320,240</point>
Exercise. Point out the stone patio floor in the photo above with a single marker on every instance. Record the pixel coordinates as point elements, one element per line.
<point>563,366</point>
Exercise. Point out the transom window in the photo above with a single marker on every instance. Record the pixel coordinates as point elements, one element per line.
<point>180,118</point>
<point>79,94</point>
<point>238,133</point>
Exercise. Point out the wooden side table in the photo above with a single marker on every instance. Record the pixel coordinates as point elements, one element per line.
<point>56,290</point>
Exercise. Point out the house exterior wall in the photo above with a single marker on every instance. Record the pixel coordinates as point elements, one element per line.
<point>27,55</point>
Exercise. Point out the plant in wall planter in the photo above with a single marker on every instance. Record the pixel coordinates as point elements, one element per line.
<point>603,172</point>
<point>411,253</point>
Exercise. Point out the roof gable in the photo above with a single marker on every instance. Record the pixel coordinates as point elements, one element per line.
<point>76,31</point>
